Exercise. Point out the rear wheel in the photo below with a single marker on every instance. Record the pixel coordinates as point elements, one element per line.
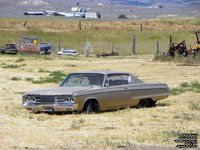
<point>146,103</point>
<point>141,104</point>
<point>152,103</point>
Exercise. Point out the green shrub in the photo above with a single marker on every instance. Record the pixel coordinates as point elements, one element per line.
<point>171,134</point>
<point>184,87</point>
<point>13,66</point>
<point>20,60</point>
<point>15,78</point>
<point>43,70</point>
<point>70,65</point>
<point>179,59</point>
<point>81,120</point>
<point>75,125</point>
<point>122,16</point>
<point>29,79</point>
<point>191,117</point>
<point>161,58</point>
<point>194,106</point>
<point>109,128</point>
<point>54,77</point>
<point>10,66</point>
<point>177,91</point>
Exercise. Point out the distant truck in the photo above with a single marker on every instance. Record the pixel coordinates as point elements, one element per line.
<point>33,45</point>
<point>9,49</point>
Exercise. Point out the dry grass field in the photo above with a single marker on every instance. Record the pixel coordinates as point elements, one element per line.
<point>121,129</point>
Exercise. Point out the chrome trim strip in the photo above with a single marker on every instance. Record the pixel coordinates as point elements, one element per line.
<point>54,106</point>
<point>118,90</point>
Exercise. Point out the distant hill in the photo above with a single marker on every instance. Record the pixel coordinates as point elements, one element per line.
<point>155,2</point>
<point>140,2</point>
<point>32,3</point>
<point>47,3</point>
<point>110,9</point>
<point>24,4</point>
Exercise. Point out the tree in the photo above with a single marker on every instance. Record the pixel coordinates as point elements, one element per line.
<point>122,16</point>
<point>88,48</point>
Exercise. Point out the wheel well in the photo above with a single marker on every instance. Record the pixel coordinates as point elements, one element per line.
<point>46,51</point>
<point>147,102</point>
<point>95,105</point>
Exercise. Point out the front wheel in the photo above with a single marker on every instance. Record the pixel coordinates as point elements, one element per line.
<point>89,108</point>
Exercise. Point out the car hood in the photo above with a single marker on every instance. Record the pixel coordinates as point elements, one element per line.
<point>58,91</point>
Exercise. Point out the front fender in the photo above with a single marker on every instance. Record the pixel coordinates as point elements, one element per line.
<point>81,100</point>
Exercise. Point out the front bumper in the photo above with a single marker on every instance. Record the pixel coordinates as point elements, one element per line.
<point>50,107</point>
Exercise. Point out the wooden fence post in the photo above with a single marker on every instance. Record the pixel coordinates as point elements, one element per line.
<point>58,44</point>
<point>113,46</point>
<point>141,27</point>
<point>80,25</point>
<point>158,48</point>
<point>133,45</point>
<point>170,39</point>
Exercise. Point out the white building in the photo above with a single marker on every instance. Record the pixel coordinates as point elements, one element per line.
<point>92,15</point>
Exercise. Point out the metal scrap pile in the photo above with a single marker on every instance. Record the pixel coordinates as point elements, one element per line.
<point>181,49</point>
<point>196,48</point>
<point>106,54</point>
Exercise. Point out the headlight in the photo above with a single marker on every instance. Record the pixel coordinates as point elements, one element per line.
<point>72,99</point>
<point>29,99</point>
<point>67,99</point>
<point>33,99</point>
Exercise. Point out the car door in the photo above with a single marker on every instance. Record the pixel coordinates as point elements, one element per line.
<point>117,95</point>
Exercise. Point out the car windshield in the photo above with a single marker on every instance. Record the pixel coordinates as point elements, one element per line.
<point>83,79</point>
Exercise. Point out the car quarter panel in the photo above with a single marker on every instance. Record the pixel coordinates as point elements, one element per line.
<point>146,90</point>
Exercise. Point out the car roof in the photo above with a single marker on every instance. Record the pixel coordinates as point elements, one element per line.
<point>106,72</point>
<point>103,72</point>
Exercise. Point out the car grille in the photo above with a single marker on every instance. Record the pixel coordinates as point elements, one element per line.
<point>50,99</point>
<point>45,99</point>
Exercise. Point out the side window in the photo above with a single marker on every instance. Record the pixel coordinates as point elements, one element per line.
<point>126,79</point>
<point>120,79</point>
<point>114,80</point>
